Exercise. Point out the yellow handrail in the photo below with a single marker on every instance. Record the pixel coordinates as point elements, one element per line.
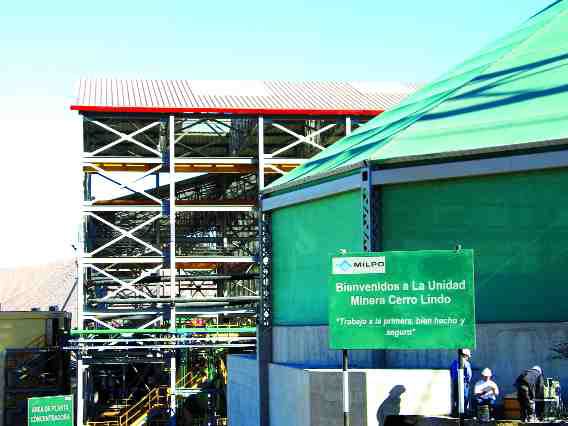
<point>151,400</point>
<point>157,397</point>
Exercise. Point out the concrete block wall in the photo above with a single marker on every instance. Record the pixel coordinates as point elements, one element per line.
<point>314,397</point>
<point>309,347</point>
<point>326,398</point>
<point>506,348</point>
<point>242,390</point>
<point>289,392</point>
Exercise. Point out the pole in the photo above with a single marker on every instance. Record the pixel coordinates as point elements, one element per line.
<point>345,368</point>
<point>80,392</point>
<point>260,153</point>
<point>461,385</point>
<point>172,214</point>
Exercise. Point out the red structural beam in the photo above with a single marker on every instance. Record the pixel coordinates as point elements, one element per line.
<point>243,111</point>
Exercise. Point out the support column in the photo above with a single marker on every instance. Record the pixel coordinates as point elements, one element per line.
<point>80,392</point>
<point>370,227</point>
<point>264,331</point>
<point>172,213</point>
<point>348,126</point>
<point>367,210</point>
<point>260,153</point>
<point>85,192</point>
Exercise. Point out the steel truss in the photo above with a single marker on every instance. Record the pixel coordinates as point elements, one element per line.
<point>179,247</point>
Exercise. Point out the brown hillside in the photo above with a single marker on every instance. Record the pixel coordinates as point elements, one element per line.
<point>28,287</point>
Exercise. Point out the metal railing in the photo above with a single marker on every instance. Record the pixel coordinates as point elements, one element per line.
<point>156,398</point>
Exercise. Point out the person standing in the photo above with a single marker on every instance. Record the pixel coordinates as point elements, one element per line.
<point>464,356</point>
<point>486,390</point>
<point>530,385</point>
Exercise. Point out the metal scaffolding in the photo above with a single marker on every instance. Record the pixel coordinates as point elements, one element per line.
<point>183,244</point>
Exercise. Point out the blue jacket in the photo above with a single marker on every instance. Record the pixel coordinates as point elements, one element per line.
<point>466,372</point>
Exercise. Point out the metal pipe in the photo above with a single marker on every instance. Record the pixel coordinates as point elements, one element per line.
<point>181,278</point>
<point>114,347</point>
<point>345,369</point>
<point>199,309</point>
<point>165,339</point>
<point>164,330</point>
<point>242,299</point>
<point>80,391</point>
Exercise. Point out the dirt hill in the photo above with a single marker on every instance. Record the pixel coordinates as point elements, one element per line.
<point>40,286</point>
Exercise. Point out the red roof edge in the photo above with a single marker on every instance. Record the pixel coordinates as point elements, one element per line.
<point>261,111</point>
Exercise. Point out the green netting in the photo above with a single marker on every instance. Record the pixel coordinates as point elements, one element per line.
<point>517,224</point>
<point>303,236</point>
<point>512,92</point>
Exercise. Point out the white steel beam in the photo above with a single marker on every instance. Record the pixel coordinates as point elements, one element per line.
<point>171,346</point>
<point>119,208</point>
<point>124,234</point>
<point>276,169</point>
<point>179,208</point>
<point>123,284</point>
<point>215,208</point>
<point>104,324</point>
<point>88,158</point>
<point>216,160</point>
<point>216,259</point>
<point>124,137</point>
<point>173,379</point>
<point>261,156</point>
<point>80,391</point>
<point>122,260</point>
<point>127,185</point>
<point>300,138</point>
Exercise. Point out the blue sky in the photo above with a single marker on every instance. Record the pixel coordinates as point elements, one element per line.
<point>45,47</point>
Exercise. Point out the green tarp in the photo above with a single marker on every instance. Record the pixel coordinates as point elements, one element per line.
<point>513,92</point>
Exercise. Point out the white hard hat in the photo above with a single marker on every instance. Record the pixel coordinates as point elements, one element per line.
<point>466,352</point>
<point>486,372</point>
<point>537,368</point>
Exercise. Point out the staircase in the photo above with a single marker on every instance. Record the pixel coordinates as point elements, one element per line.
<point>137,414</point>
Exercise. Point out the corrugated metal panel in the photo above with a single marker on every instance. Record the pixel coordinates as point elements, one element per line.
<point>327,97</point>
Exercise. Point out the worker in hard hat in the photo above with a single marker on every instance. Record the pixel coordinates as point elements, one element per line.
<point>464,357</point>
<point>530,385</point>
<point>485,390</point>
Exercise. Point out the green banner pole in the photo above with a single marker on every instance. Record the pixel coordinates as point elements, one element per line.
<point>345,369</point>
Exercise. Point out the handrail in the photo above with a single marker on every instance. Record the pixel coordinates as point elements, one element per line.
<point>193,382</point>
<point>151,400</point>
<point>157,397</point>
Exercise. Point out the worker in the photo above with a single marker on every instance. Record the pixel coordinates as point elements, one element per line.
<point>486,390</point>
<point>465,356</point>
<point>530,385</point>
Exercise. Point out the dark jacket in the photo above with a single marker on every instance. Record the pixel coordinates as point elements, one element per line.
<point>533,380</point>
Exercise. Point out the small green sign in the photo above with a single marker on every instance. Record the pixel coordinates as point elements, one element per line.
<point>402,300</point>
<point>51,411</point>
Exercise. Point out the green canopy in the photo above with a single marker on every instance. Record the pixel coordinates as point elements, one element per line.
<point>510,94</point>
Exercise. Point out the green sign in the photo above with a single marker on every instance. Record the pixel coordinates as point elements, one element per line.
<point>51,411</point>
<point>402,300</point>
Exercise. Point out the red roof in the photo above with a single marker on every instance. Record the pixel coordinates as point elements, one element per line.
<point>239,97</point>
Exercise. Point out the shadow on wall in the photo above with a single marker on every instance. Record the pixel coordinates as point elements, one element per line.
<point>391,405</point>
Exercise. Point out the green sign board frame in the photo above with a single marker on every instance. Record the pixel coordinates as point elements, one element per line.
<point>51,411</point>
<point>402,300</point>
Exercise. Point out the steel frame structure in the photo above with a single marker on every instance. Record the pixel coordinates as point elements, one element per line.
<point>196,246</point>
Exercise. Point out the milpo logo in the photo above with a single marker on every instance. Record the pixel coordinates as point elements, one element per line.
<point>358,265</point>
